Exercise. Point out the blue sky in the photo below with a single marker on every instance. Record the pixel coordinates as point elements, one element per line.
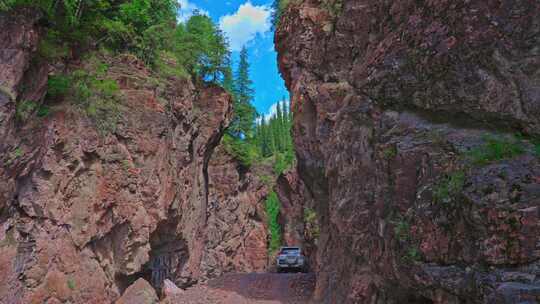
<point>247,23</point>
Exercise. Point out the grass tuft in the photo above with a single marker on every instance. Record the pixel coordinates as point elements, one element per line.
<point>450,187</point>
<point>496,149</point>
<point>311,222</point>
<point>402,230</point>
<point>71,284</point>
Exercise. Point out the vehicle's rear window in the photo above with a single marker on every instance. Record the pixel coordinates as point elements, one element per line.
<point>289,250</point>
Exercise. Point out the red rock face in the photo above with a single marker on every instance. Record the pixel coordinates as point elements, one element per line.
<point>389,97</point>
<point>20,35</point>
<point>84,215</point>
<point>236,231</point>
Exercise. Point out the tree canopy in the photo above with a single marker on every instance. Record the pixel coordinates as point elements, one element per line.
<point>146,28</point>
<point>242,126</point>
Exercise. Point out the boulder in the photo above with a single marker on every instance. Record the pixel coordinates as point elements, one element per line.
<point>140,292</point>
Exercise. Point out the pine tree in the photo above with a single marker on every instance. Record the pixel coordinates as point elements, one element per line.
<point>243,86</point>
<point>245,113</point>
<point>279,128</point>
<point>228,81</point>
<point>287,114</point>
<point>265,143</point>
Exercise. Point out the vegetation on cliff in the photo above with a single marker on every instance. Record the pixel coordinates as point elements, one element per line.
<point>145,28</point>
<point>272,212</point>
<point>86,32</point>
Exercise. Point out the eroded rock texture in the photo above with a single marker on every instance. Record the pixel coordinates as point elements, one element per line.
<point>84,214</point>
<point>236,229</point>
<point>389,98</point>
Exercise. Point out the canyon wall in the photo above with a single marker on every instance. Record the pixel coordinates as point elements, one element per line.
<point>85,213</point>
<point>416,125</point>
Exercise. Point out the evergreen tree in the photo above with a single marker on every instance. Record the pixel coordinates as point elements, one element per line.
<point>244,112</point>
<point>243,86</point>
<point>274,139</point>
<point>278,6</point>
<point>279,128</point>
<point>202,48</point>
<point>228,81</point>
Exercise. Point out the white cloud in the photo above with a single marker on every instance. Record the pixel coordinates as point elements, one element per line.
<point>244,25</point>
<point>272,111</point>
<point>187,9</point>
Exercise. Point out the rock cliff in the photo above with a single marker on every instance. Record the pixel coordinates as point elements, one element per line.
<point>84,214</point>
<point>416,126</point>
<point>236,227</point>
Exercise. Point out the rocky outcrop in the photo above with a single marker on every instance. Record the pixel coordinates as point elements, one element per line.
<point>20,36</point>
<point>405,115</point>
<point>85,213</point>
<point>236,230</point>
<point>140,292</point>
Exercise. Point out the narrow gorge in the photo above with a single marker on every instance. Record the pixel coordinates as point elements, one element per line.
<point>416,129</point>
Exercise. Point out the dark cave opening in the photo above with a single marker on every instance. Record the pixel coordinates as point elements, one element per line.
<point>168,255</point>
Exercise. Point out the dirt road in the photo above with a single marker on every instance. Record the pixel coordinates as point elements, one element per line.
<point>255,288</point>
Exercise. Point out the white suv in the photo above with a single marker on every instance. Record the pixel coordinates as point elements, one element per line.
<point>291,258</point>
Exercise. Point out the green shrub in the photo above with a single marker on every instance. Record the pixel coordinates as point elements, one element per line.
<point>98,97</point>
<point>282,162</point>
<point>166,66</point>
<point>390,152</point>
<point>451,186</point>
<point>266,179</point>
<point>58,85</point>
<point>14,155</point>
<point>126,164</point>
<point>52,47</point>
<point>310,215</point>
<point>413,254</point>
<point>43,111</point>
<point>241,150</point>
<point>312,223</point>
<point>402,230</point>
<point>92,92</point>
<point>17,153</point>
<point>71,284</point>
<point>495,149</point>
<point>272,212</point>
<point>25,109</point>
<point>6,5</point>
